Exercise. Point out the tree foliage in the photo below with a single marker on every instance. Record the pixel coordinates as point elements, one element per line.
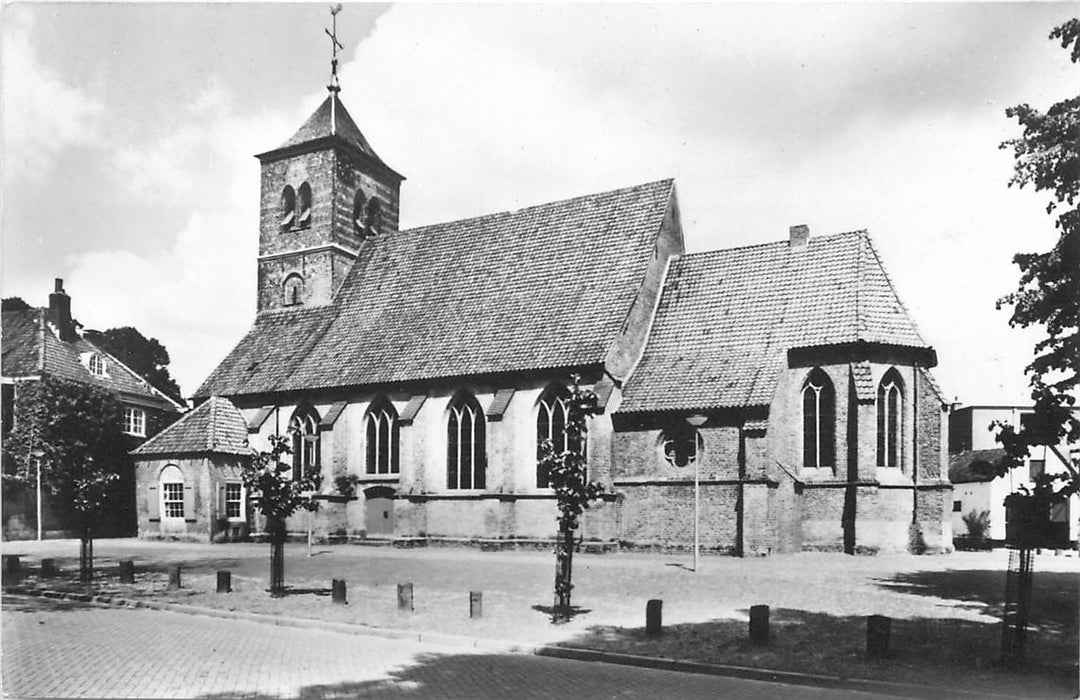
<point>146,356</point>
<point>1048,159</point>
<point>14,304</point>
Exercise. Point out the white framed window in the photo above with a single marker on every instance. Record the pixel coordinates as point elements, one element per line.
<point>172,493</point>
<point>681,445</point>
<point>819,415</point>
<point>466,446</point>
<point>234,500</point>
<point>134,421</point>
<point>552,417</point>
<point>890,410</point>
<point>381,437</point>
<point>96,363</point>
<point>304,427</point>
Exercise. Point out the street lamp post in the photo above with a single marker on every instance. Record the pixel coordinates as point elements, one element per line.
<point>696,421</point>
<point>37,454</point>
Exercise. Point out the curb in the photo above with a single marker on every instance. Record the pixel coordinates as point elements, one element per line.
<point>888,688</point>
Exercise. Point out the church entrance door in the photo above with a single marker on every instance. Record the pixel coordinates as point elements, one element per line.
<point>379,511</point>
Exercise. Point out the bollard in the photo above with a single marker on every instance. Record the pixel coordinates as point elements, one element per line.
<point>877,636</point>
<point>174,577</point>
<point>759,624</point>
<point>476,605</point>
<point>224,582</point>
<point>48,568</point>
<point>404,597</point>
<point>654,617</point>
<point>339,592</point>
<point>127,572</point>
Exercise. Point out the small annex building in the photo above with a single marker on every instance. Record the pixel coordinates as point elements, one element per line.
<point>418,369</point>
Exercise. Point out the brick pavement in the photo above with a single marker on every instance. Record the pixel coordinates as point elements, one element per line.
<point>64,649</point>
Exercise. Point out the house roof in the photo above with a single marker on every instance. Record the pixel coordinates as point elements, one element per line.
<point>216,426</point>
<point>974,465</point>
<point>543,287</point>
<point>727,318</point>
<point>32,346</point>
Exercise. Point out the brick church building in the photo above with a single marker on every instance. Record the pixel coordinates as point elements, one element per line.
<point>418,369</point>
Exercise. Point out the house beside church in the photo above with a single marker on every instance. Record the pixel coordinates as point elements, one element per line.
<point>418,370</point>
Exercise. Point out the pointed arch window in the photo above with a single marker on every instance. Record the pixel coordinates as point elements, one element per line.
<point>288,207</point>
<point>303,206</point>
<point>890,411</point>
<point>381,438</point>
<point>358,213</point>
<point>819,421</point>
<point>293,290</point>
<point>466,447</point>
<point>304,427</point>
<point>373,217</point>
<point>552,416</point>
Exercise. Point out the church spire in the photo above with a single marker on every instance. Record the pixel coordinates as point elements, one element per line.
<point>334,87</point>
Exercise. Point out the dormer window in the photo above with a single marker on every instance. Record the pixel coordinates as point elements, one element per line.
<point>288,207</point>
<point>293,291</point>
<point>303,216</point>
<point>358,213</point>
<point>373,219</point>
<point>96,364</point>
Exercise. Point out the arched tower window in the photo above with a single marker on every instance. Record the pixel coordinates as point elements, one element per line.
<point>288,207</point>
<point>466,448</point>
<point>373,218</point>
<point>293,290</point>
<point>358,213</point>
<point>819,421</point>
<point>552,415</point>
<point>304,427</point>
<point>303,206</point>
<point>681,445</point>
<point>890,412</point>
<point>381,436</point>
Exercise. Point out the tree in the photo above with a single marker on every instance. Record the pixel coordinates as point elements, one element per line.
<point>14,304</point>
<point>71,431</point>
<point>269,482</point>
<point>568,475</point>
<point>146,356</point>
<point>1048,158</point>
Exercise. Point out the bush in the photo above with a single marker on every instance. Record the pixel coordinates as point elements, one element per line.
<point>978,523</point>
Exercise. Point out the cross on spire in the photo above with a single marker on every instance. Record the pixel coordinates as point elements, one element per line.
<point>334,85</point>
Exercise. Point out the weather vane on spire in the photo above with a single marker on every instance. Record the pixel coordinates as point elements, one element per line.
<point>334,86</point>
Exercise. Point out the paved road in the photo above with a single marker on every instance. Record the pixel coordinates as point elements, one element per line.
<point>64,649</point>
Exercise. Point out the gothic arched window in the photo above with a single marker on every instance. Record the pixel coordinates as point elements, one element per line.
<point>890,412</point>
<point>304,427</point>
<point>293,290</point>
<point>303,206</point>
<point>552,415</point>
<point>819,421</point>
<point>466,457</point>
<point>373,218</point>
<point>681,445</point>
<point>358,213</point>
<point>288,207</point>
<point>381,437</point>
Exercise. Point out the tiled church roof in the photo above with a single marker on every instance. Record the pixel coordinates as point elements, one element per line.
<point>216,426</point>
<point>727,318</point>
<point>542,287</point>
<point>31,346</point>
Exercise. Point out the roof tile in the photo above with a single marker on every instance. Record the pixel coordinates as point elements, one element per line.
<point>216,426</point>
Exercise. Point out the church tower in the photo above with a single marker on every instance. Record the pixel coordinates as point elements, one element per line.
<point>324,192</point>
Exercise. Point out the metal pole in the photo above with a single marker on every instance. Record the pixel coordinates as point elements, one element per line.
<point>38,460</point>
<point>697,508</point>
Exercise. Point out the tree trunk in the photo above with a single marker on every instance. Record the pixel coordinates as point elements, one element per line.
<point>564,559</point>
<point>86,552</point>
<point>276,528</point>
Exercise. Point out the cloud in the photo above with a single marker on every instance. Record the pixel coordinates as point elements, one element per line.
<point>42,113</point>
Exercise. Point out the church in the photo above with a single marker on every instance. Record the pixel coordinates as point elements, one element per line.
<point>775,398</point>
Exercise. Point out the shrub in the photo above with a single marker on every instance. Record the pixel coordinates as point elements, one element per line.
<point>978,523</point>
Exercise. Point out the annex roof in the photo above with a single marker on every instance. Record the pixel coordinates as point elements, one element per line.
<point>542,287</point>
<point>727,318</point>
<point>32,347</point>
<point>216,426</point>
<point>974,465</point>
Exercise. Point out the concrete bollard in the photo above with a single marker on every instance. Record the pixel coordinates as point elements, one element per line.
<point>654,617</point>
<point>405,597</point>
<point>476,605</point>
<point>339,592</point>
<point>877,636</point>
<point>224,582</point>
<point>127,572</point>
<point>174,577</point>
<point>759,624</point>
<point>48,568</point>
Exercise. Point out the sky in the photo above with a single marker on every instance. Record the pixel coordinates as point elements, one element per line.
<point>129,130</point>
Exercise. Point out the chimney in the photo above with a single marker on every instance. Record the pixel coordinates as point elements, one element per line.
<point>60,312</point>
<point>799,236</point>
